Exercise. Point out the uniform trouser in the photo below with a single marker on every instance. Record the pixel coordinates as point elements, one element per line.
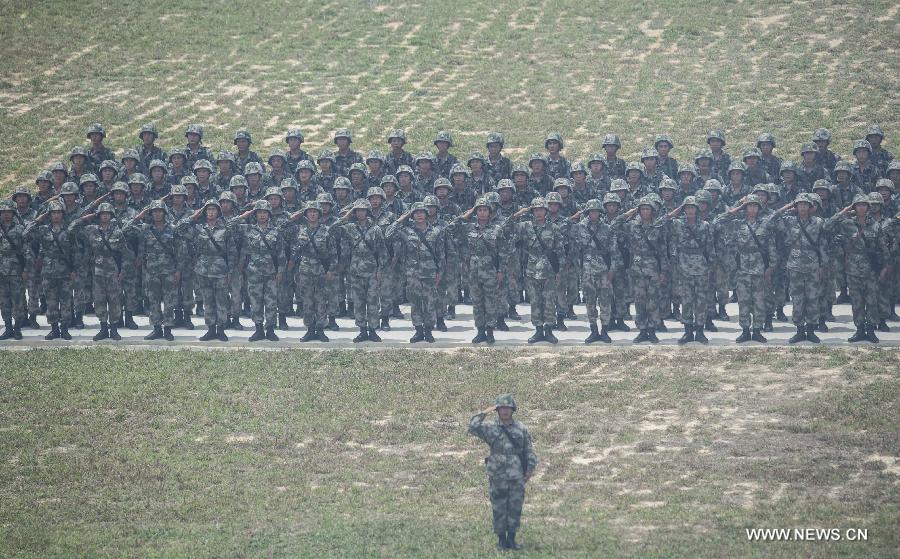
<point>668,292</point>
<point>12,297</point>
<point>285,291</point>
<point>720,285</point>
<point>510,286</point>
<point>82,287</point>
<point>566,288</point>
<point>364,291</point>
<point>236,292</point>
<point>864,299</point>
<point>780,284</point>
<point>335,290</point>
<point>315,300</point>
<point>58,293</point>
<point>805,293</point>
<point>448,288</point>
<point>131,287</point>
<point>597,297</point>
<point>486,299</point>
<point>542,296</point>
<point>186,290</point>
<point>34,290</point>
<point>694,294</point>
<point>162,297</point>
<point>829,286</point>
<point>107,291</point>
<point>645,288</point>
<point>886,291</point>
<point>214,292</point>
<point>263,294</point>
<point>424,301</point>
<point>507,499</point>
<point>621,286</point>
<point>752,301</point>
<point>389,288</point>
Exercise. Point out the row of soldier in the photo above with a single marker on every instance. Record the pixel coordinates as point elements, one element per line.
<point>187,261</point>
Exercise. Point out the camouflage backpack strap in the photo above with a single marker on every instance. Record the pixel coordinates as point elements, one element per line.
<point>762,252</point>
<point>170,251</point>
<point>272,252</point>
<point>116,254</point>
<point>428,247</point>
<point>813,243</point>
<point>551,256</point>
<point>521,453</point>
<point>363,239</point>
<point>20,256</point>
<point>218,247</point>
<point>697,240</point>
<point>652,247</point>
<point>65,255</point>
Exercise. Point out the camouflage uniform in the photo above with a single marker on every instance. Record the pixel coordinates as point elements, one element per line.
<point>96,156</point>
<point>15,261</point>
<point>315,253</point>
<point>54,249</point>
<point>560,167</point>
<point>342,162</point>
<point>106,248</point>
<point>881,157</point>
<point>262,258</point>
<point>501,168</point>
<point>145,156</point>
<point>597,250</point>
<point>365,258</point>
<point>806,242</point>
<point>158,250</point>
<point>483,263</point>
<point>693,249</point>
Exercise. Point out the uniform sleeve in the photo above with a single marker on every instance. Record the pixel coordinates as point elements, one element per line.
<point>532,457</point>
<point>478,428</point>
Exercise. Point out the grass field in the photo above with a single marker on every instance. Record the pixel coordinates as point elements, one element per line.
<point>351,454</point>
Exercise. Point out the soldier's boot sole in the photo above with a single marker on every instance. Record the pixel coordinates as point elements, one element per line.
<point>800,336</point>
<point>870,335</point>
<point>699,336</point>
<point>744,337</point>
<point>373,335</point>
<point>859,336</point>
<point>155,334</point>
<point>758,337</point>
<point>363,336</point>
<point>538,335</point>
<point>501,325</point>
<point>258,334</point>
<point>883,327</point>
<point>270,333</point>
<point>480,337</point>
<point>811,334</point>
<point>167,334</point>
<point>548,335</point>
<point>64,333</point>
<point>428,336</point>
<point>651,336</point>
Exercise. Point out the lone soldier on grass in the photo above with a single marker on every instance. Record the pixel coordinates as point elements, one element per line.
<point>509,467</point>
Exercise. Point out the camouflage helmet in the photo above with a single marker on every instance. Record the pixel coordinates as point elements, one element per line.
<point>312,205</point>
<point>458,169</point>
<point>808,147</point>
<point>360,167</point>
<point>634,166</point>
<point>56,206</point>
<point>289,183</point>
<point>44,176</point>
<point>443,136</point>
<point>537,157</point>
<point>442,182</point>
<point>276,152</point>
<point>703,197</point>
<point>649,153</point>
<point>774,191</point>
<point>611,198</point>
<point>343,133</point>
<point>647,201</point>
<point>417,207</point>
<point>273,191</point>
<point>253,168</point>
<point>237,181</point>
<point>78,150</point>
<point>554,137</point>
<point>754,199</point>
<point>137,178</point>
<point>97,128</point>
<point>751,152</point>
<point>189,179</point>
<point>294,133</point>
<point>214,203</point>
<point>492,197</point>
<point>194,129</point>
<point>227,195</point>
<point>737,166</point>
<point>690,201</point>
<point>243,134</point>
<point>519,168</point>
<point>577,167</point>
<point>716,134</point>
<point>262,206</point>
<point>376,191</point>
<point>861,144</point>
<point>875,198</point>
<point>203,164</point>
<point>398,133</point>
<point>22,189</point>
<point>225,155</point>
<point>178,190</point>
<point>476,156</point>
<point>596,157</point>
<point>307,165</point>
<point>765,137</point>
<point>483,202</point>
<point>594,204</point>
<point>893,166</point>
<point>405,169</point>
<point>424,156</point>
<point>760,187</point>
<point>843,166</point>
<point>821,184</point>
<point>88,177</point>
<point>158,163</point>
<point>149,127</point>
<point>657,201</point>
<point>326,155</point>
<point>7,206</point>
<point>69,188</point>
<point>788,165</point>
<point>713,184</point>
<point>860,199</point>
<point>494,138</point>
<point>539,202</point>
<point>704,153</point>
<point>553,197</point>
<point>105,207</point>
<point>157,205</point>
<point>814,199</point>
<point>874,130</point>
<point>562,182</point>
<point>362,204</point>
<point>130,153</point>
<point>821,135</point>
<point>375,155</point>
<point>325,198</point>
<point>885,183</point>
<point>342,183</point>
<point>805,197</point>
<point>178,151</point>
<point>504,184</point>
<point>687,168</point>
<point>388,179</point>
<point>668,183</point>
<point>611,140</point>
<point>660,138</point>
<point>431,200</point>
<point>618,185</point>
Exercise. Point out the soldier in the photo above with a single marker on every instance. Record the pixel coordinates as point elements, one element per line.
<point>15,261</point>
<point>865,172</point>
<point>567,286</point>
<point>737,186</point>
<point>206,185</point>
<point>595,247</point>
<point>497,165</point>
<point>687,183</point>
<point>524,194</point>
<point>345,157</point>
<point>178,168</point>
<point>307,189</point>
<point>693,248</point>
<point>326,177</point>
<point>397,156</point>
<point>581,191</point>
<point>885,292</point>
<point>97,153</point>
<point>650,175</point>
<point>705,172</point>
<point>880,156</point>
<point>375,164</point>
<point>868,264</point>
<point>754,172</point>
<point>26,211</point>
<point>478,180</point>
<point>846,187</point>
<point>359,184</point>
<point>463,195</point>
<point>755,243</point>
<point>79,159</point>
<point>365,256</point>
<point>444,161</point>
<point>720,160</point>
<point>668,166</point>
<point>557,165</point>
<point>215,255</point>
<point>194,150</point>
<point>158,184</point>
<point>810,170</point>
<point>790,188</point>
<point>280,171</point>
<point>598,181</point>
<point>242,140</point>
<point>538,180</point>
<point>226,168</point>
<point>821,138</point>
<point>509,467</point>
<point>294,139</point>
<point>614,165</point>
<point>148,151</point>
<point>314,255</point>
<point>768,162</point>
<point>261,257</point>
<point>158,251</point>
<point>54,258</point>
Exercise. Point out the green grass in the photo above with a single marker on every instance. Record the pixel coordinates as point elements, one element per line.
<point>580,68</point>
<point>349,453</point>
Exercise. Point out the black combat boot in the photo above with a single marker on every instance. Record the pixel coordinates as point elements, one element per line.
<point>210,334</point>
<point>103,333</point>
<point>54,332</point>
<point>220,333</point>
<point>744,337</point>
<point>32,321</point>
<point>821,326</point>
<point>860,335</point>
<point>363,335</point>
<point>441,325</point>
<point>828,315</point>
<point>309,335</point>
<point>641,337</point>
<point>42,308</point>
<point>723,314</point>
<point>428,335</point>
<point>512,314</point>
<point>200,308</point>
<point>187,319</point>
<point>128,322</point>
<point>780,316</point>
<point>892,317</point>
<point>7,330</point>
<point>604,335</point>
<point>114,333</point>
<point>870,334</point>
<point>570,313</point>
<point>451,312</point>
<point>676,312</point>
<point>548,335</point>
<point>758,337</point>
<point>332,324</point>
<point>688,334</point>
<point>501,325</point>
<point>246,311</point>
<point>270,333</point>
<point>419,336</point>
<point>78,321</point>
<point>64,332</point>
<point>709,326</point>
<point>235,323</point>
<point>385,324</point>
<point>538,335</point>
<point>843,296</point>
<point>699,336</point>
<point>155,334</point>
<point>560,322</point>
<point>594,336</point>
<point>17,329</point>
<point>767,324</point>
<point>89,308</point>
<point>733,298</point>
<point>258,334</point>
<point>511,541</point>
<point>811,334</point>
<point>621,326</point>
<point>140,308</point>
<point>373,335</point>
<point>501,542</point>
<point>350,309</point>
<point>480,336</point>
<point>883,327</point>
<point>179,318</point>
<point>282,321</point>
<point>800,336</point>
<point>489,335</point>
<point>167,334</point>
<point>651,336</point>
<point>395,312</point>
<point>661,327</point>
